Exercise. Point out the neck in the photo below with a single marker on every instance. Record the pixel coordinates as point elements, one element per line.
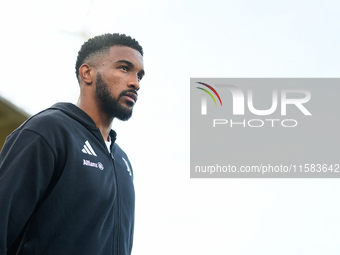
<point>102,120</point>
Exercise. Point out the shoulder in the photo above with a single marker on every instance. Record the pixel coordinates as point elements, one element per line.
<point>52,125</point>
<point>45,121</point>
<point>118,150</point>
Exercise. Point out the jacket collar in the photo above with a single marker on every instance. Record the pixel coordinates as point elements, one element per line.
<point>79,115</point>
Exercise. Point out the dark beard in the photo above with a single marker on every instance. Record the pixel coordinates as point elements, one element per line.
<point>109,104</point>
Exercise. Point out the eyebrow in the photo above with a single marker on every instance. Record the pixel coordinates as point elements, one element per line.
<point>126,62</point>
<point>129,64</point>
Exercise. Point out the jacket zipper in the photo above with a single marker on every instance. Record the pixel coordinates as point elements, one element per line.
<point>116,210</point>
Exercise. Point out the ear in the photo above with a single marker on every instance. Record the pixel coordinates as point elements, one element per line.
<point>86,74</point>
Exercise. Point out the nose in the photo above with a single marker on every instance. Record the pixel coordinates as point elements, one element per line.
<point>134,82</point>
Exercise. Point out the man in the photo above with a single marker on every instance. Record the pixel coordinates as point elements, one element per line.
<point>65,185</point>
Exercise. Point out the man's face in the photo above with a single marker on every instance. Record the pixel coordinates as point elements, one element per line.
<point>117,81</point>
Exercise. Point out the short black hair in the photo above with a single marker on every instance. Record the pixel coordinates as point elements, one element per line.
<point>102,43</point>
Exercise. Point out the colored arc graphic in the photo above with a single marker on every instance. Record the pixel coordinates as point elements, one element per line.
<point>210,93</point>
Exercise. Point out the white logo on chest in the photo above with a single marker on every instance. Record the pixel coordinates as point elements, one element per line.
<point>92,164</point>
<point>87,149</point>
<point>127,165</point>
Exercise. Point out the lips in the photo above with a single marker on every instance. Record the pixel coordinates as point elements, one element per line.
<point>131,95</point>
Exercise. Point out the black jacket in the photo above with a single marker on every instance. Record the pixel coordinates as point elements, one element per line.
<point>61,191</point>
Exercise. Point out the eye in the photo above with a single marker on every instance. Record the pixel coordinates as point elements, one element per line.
<point>140,76</point>
<point>125,68</point>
